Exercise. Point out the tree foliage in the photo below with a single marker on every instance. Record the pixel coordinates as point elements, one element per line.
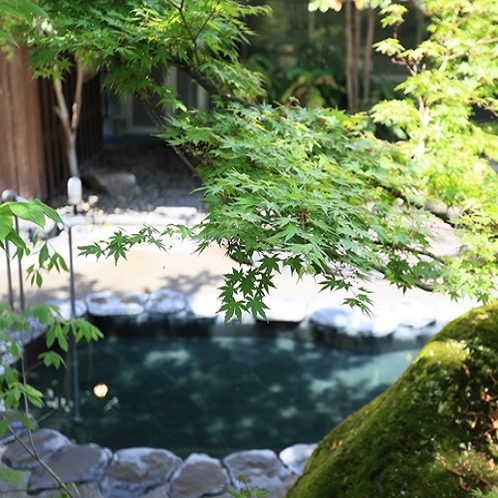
<point>311,190</point>
<point>452,78</point>
<point>129,39</point>
<point>322,204</point>
<point>20,10</point>
<point>17,395</point>
<point>13,326</point>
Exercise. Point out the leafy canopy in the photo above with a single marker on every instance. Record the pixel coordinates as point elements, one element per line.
<point>130,39</point>
<point>322,204</point>
<point>16,10</point>
<point>453,79</point>
<point>311,190</point>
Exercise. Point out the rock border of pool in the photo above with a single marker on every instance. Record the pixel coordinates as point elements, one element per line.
<point>144,471</point>
<point>154,472</point>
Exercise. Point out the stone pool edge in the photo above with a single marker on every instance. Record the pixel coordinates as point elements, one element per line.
<point>145,472</point>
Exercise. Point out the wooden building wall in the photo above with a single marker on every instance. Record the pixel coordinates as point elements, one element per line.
<point>21,148</point>
<point>32,154</point>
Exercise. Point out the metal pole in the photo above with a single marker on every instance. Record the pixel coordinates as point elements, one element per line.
<point>9,276</point>
<point>9,195</point>
<point>19,266</point>
<point>74,346</point>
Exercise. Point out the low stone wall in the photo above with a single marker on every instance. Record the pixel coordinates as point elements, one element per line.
<point>399,326</point>
<point>146,472</point>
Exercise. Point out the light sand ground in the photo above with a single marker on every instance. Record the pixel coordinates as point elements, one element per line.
<point>147,269</point>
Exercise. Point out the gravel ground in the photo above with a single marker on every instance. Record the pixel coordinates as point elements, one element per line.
<point>162,179</point>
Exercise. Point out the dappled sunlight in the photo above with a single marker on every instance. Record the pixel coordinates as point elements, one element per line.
<point>157,358</point>
<point>224,393</point>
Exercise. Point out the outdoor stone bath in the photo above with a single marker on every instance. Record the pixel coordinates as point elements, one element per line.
<point>154,472</point>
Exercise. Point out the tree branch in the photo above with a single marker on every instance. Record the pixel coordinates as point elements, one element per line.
<point>76,108</point>
<point>61,109</point>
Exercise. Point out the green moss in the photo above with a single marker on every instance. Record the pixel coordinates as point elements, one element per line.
<point>431,434</point>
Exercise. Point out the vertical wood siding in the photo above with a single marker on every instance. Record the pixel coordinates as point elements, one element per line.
<point>32,152</point>
<point>21,149</point>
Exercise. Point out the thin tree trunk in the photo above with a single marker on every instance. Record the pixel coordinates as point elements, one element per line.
<point>350,63</point>
<point>357,55</point>
<point>367,64</point>
<point>70,121</point>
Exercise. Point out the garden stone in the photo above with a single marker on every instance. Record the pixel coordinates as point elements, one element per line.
<point>16,425</point>
<point>285,309</point>
<point>199,475</point>
<point>415,314</point>
<point>133,471</point>
<point>336,318</point>
<point>64,306</point>
<point>47,442</point>
<point>360,325</point>
<point>159,492</point>
<point>204,305</point>
<point>86,490</point>
<point>185,215</point>
<point>33,330</point>
<point>260,468</point>
<point>385,322</point>
<point>107,304</point>
<point>405,338</point>
<point>295,457</point>
<point>114,183</point>
<point>78,464</point>
<point>7,487</point>
<point>165,302</point>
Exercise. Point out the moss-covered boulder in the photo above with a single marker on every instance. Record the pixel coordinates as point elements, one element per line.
<point>434,433</point>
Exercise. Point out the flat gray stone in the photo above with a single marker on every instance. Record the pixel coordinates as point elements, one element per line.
<point>415,314</point>
<point>261,468</point>
<point>15,424</point>
<point>115,183</point>
<point>334,317</point>
<point>199,475</point>
<point>286,309</point>
<point>85,490</point>
<point>296,456</point>
<point>47,442</point>
<point>78,464</point>
<point>133,471</point>
<point>106,303</point>
<point>165,302</point>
